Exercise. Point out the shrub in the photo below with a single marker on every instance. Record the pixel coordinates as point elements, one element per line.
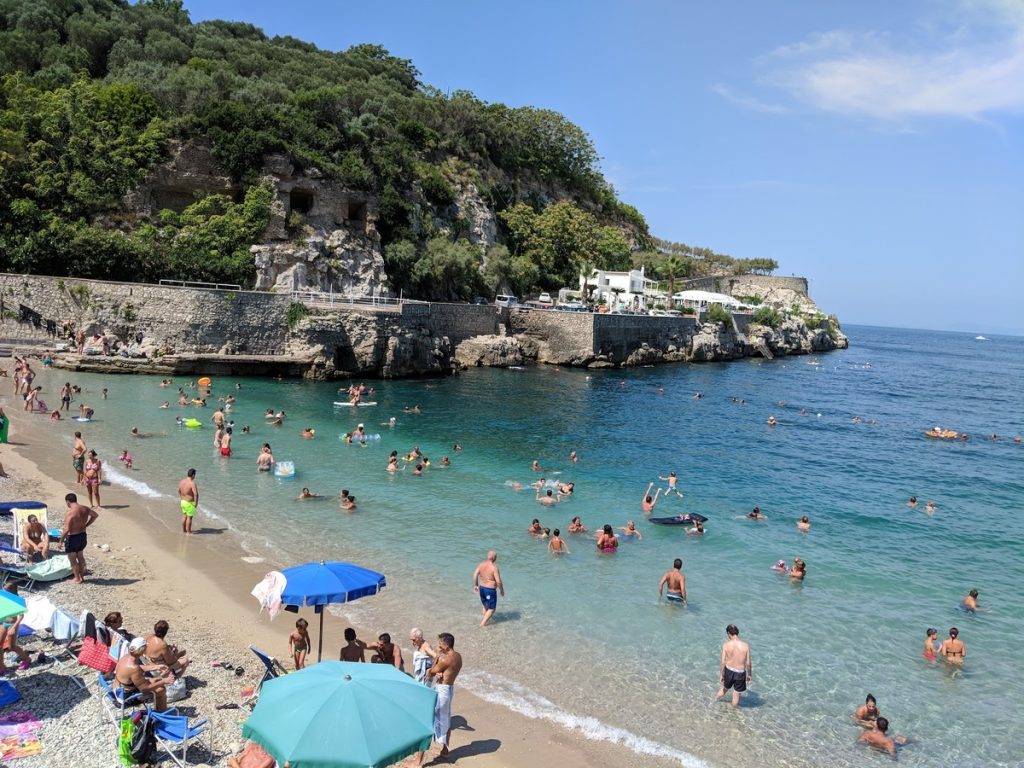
<point>719,314</point>
<point>297,312</point>
<point>768,316</point>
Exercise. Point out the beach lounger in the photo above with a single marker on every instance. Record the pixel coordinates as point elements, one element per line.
<point>114,701</point>
<point>173,731</point>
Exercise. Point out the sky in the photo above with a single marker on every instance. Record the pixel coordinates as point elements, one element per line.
<point>874,147</point>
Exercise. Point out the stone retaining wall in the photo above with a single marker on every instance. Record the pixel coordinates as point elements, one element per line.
<point>189,319</point>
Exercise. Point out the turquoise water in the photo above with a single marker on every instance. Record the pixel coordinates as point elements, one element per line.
<point>583,640</point>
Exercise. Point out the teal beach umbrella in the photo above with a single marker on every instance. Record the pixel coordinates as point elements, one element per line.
<point>10,605</point>
<point>341,714</point>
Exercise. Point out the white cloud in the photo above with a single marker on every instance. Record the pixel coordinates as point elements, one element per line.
<point>747,102</point>
<point>968,65</point>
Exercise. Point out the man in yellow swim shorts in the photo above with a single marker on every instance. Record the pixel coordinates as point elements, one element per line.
<point>188,493</point>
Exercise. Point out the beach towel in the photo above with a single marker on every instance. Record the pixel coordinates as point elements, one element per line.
<point>38,612</point>
<point>19,735</point>
<point>54,569</point>
<point>443,713</point>
<point>64,626</point>
<point>268,592</point>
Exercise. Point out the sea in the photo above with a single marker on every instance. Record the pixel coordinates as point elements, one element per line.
<point>583,640</point>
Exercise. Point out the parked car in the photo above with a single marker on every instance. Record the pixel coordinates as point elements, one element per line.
<point>544,298</point>
<point>572,306</point>
<point>505,300</point>
<point>480,301</point>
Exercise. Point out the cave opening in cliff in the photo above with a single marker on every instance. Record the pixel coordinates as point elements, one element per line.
<point>356,211</point>
<point>300,200</point>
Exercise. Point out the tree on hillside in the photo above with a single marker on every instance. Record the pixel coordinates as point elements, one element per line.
<point>673,267</point>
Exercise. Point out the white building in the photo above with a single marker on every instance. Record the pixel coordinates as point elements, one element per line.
<point>629,289</point>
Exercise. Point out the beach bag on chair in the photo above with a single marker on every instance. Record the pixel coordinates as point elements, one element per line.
<point>96,656</point>
<point>144,739</point>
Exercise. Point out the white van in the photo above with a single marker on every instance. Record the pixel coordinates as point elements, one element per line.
<point>504,300</point>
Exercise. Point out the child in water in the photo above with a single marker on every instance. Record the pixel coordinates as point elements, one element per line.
<point>125,458</point>
<point>298,643</point>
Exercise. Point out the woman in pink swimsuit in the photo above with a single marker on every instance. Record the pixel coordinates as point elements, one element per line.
<point>91,478</point>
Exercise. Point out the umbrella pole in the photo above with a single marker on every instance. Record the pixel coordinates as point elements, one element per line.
<point>320,644</point>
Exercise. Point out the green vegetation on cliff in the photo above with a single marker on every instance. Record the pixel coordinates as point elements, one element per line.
<point>92,92</point>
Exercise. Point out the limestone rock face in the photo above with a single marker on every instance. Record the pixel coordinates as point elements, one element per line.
<point>342,262</point>
<point>713,341</point>
<point>645,355</point>
<point>490,351</point>
<point>471,207</point>
<point>779,297</point>
<point>190,174</point>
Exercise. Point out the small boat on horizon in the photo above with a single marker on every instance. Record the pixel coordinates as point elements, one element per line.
<point>980,338</point>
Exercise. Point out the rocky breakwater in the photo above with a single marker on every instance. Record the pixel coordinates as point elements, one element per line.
<point>620,341</point>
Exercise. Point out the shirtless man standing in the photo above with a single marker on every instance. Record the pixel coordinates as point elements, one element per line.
<point>78,456</point>
<point>736,669</point>
<point>676,581</point>
<point>445,670</point>
<point>354,647</point>
<point>77,519</point>
<point>487,581</point>
<point>188,494</point>
<point>557,545</point>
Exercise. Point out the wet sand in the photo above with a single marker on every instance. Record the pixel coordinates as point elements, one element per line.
<point>201,582</point>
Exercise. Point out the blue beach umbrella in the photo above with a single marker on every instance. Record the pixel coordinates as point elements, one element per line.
<point>340,714</point>
<point>320,584</point>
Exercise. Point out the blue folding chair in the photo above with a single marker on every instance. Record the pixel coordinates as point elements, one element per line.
<point>173,732</point>
<point>114,701</point>
<point>271,668</point>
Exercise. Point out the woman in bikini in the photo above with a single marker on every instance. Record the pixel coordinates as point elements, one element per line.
<point>576,526</point>
<point>607,541</point>
<point>91,477</point>
<point>953,649</point>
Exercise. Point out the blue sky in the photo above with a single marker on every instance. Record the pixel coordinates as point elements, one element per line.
<point>875,146</point>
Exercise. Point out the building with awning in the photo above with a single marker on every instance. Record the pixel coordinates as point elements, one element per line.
<point>704,299</point>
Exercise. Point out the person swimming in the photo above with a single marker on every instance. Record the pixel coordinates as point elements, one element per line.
<point>755,514</point>
<point>629,529</point>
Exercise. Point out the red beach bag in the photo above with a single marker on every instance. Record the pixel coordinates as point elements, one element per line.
<point>96,655</point>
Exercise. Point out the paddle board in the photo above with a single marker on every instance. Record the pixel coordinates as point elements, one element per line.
<point>367,404</point>
<point>686,519</point>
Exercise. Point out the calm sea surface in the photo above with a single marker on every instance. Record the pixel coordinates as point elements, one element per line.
<point>583,640</point>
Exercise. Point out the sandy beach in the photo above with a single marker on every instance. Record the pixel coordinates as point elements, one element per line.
<point>143,566</point>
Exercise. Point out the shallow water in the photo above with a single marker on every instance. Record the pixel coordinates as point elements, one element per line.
<point>583,640</point>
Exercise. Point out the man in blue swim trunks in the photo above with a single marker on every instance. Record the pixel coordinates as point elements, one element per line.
<point>676,582</point>
<point>487,581</point>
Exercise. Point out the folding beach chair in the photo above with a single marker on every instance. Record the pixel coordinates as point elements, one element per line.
<point>56,568</point>
<point>19,575</point>
<point>114,701</point>
<point>173,732</point>
<point>64,630</point>
<point>271,669</point>
<point>21,515</point>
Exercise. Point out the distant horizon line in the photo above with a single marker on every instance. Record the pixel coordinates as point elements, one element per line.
<point>977,332</point>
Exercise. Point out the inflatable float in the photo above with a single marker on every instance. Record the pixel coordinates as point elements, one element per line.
<point>204,382</point>
<point>80,418</point>
<point>367,404</point>
<point>688,519</point>
<point>942,434</point>
<point>284,469</point>
<point>192,423</point>
<point>362,438</point>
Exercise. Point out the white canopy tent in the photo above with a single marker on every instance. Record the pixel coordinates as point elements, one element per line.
<point>702,299</point>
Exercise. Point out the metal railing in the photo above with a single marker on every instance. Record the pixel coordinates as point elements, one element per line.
<point>200,285</point>
<point>319,298</point>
